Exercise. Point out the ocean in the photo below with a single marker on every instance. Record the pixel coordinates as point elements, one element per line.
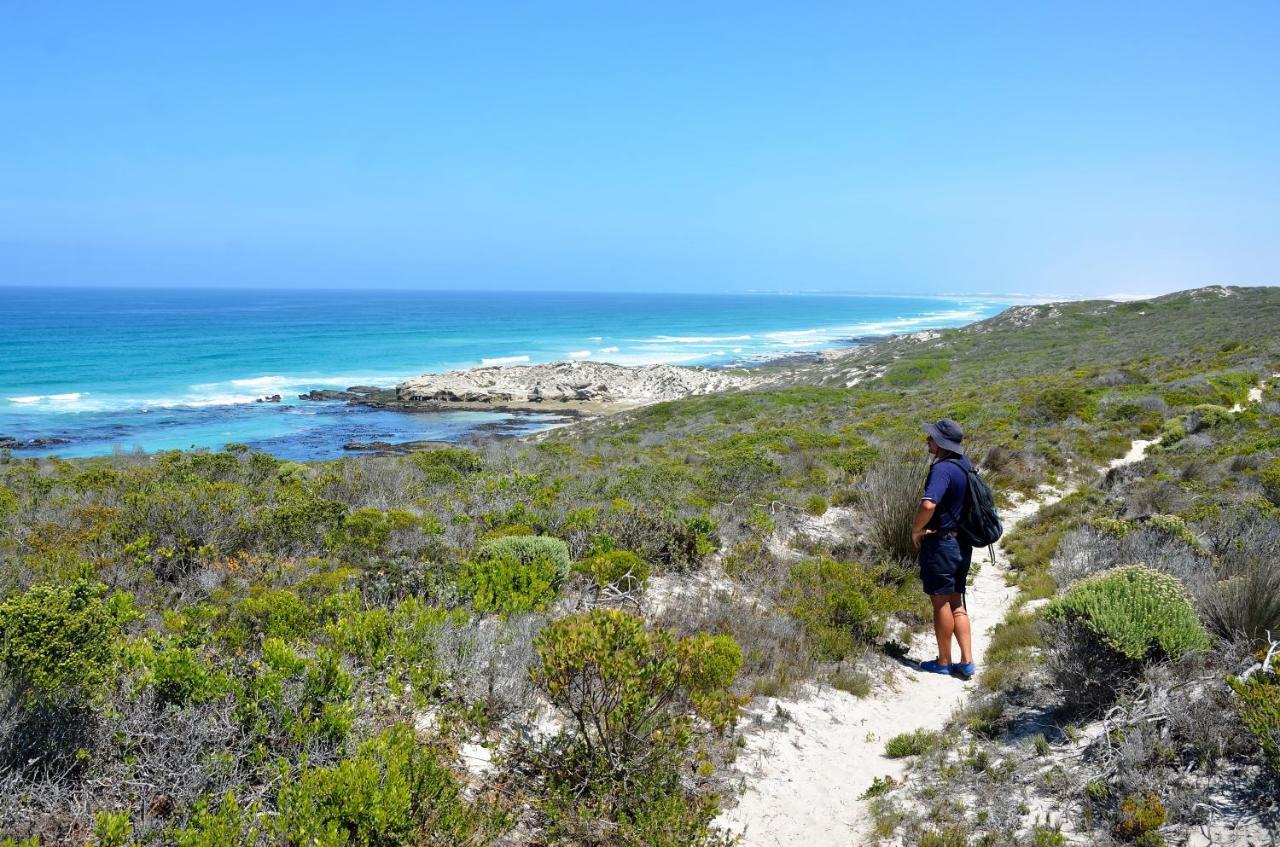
<point>107,370</point>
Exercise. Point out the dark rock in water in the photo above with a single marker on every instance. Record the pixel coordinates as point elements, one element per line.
<point>270,398</point>
<point>862,340</point>
<point>45,442</point>
<point>367,389</point>
<point>326,394</point>
<point>8,441</point>
<point>388,447</point>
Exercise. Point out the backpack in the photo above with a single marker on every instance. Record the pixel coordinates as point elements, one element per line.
<point>979,524</point>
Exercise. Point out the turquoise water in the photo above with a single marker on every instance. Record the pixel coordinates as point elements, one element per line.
<point>145,369</point>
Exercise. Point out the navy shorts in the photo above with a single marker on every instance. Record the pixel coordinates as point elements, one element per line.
<point>944,564</point>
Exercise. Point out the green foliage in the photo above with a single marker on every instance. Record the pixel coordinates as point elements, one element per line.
<point>510,582</point>
<point>631,693</point>
<point>60,639</point>
<point>816,505</point>
<point>179,677</point>
<point>613,567</point>
<point>447,465</point>
<point>112,829</point>
<point>527,549</point>
<point>880,786</point>
<point>393,792</point>
<point>913,371</point>
<point>1060,403</point>
<point>912,744</point>
<point>629,688</point>
<point>1257,701</point>
<point>839,603</point>
<point>1269,476</point>
<point>229,825</point>
<point>1138,612</point>
<point>1140,815</point>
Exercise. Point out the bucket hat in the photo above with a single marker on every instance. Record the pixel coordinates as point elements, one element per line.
<point>947,434</point>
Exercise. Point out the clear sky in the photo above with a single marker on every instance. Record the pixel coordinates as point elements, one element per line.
<point>1046,148</point>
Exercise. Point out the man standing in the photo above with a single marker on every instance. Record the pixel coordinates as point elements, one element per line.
<point>944,555</point>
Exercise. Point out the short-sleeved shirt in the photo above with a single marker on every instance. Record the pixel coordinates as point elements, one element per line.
<point>947,486</point>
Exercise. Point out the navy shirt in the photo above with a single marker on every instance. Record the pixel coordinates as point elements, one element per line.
<point>946,486</point>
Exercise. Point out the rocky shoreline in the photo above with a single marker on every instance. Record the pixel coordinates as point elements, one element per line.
<point>566,388</point>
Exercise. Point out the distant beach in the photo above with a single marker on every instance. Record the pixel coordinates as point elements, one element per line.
<point>92,371</point>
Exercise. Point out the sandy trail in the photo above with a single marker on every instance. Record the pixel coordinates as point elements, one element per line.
<point>803,779</point>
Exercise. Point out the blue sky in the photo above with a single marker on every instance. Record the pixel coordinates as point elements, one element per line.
<point>1053,149</point>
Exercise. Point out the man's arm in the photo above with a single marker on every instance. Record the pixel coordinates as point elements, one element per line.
<point>923,515</point>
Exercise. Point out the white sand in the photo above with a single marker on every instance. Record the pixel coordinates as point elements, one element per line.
<point>803,779</point>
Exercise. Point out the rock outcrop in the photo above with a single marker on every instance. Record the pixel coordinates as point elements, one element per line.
<point>564,384</point>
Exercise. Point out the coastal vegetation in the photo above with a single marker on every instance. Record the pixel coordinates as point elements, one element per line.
<point>511,642</point>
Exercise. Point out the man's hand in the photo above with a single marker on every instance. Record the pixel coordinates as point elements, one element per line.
<point>917,537</point>
<point>923,516</point>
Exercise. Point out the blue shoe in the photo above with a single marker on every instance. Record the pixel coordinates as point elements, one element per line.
<point>964,670</point>
<point>932,666</point>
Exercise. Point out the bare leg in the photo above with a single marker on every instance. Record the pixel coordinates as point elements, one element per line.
<point>960,617</point>
<point>944,626</point>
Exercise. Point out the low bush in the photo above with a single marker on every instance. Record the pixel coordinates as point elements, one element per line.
<point>1108,626</point>
<point>510,585</point>
<point>527,549</point>
<point>513,574</point>
<point>1257,701</point>
<point>393,792</point>
<point>631,693</point>
<point>911,744</point>
<point>615,568</point>
<point>1269,476</point>
<point>840,605</point>
<point>1138,819</point>
<point>57,640</point>
<point>1058,404</point>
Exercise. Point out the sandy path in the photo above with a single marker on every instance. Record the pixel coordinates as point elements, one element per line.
<point>803,779</point>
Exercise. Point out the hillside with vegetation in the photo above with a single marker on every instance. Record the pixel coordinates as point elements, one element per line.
<point>522,642</point>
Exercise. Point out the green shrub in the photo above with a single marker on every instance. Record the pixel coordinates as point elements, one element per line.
<point>446,466</point>
<point>1258,704</point>
<point>816,505</point>
<point>613,567</point>
<point>393,792</point>
<point>112,829</point>
<point>57,640</point>
<point>1207,416</point>
<point>880,786</point>
<point>275,613</point>
<point>838,603</point>
<point>527,549</point>
<point>229,825</point>
<point>510,584</point>
<point>1109,625</point>
<point>1139,612</point>
<point>912,371</point>
<point>1270,479</point>
<point>911,743</point>
<point>1139,817</point>
<point>631,693</point>
<point>179,677</point>
<point>1058,404</point>
<point>629,688</point>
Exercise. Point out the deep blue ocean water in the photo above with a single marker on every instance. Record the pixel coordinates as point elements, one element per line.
<point>146,369</point>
